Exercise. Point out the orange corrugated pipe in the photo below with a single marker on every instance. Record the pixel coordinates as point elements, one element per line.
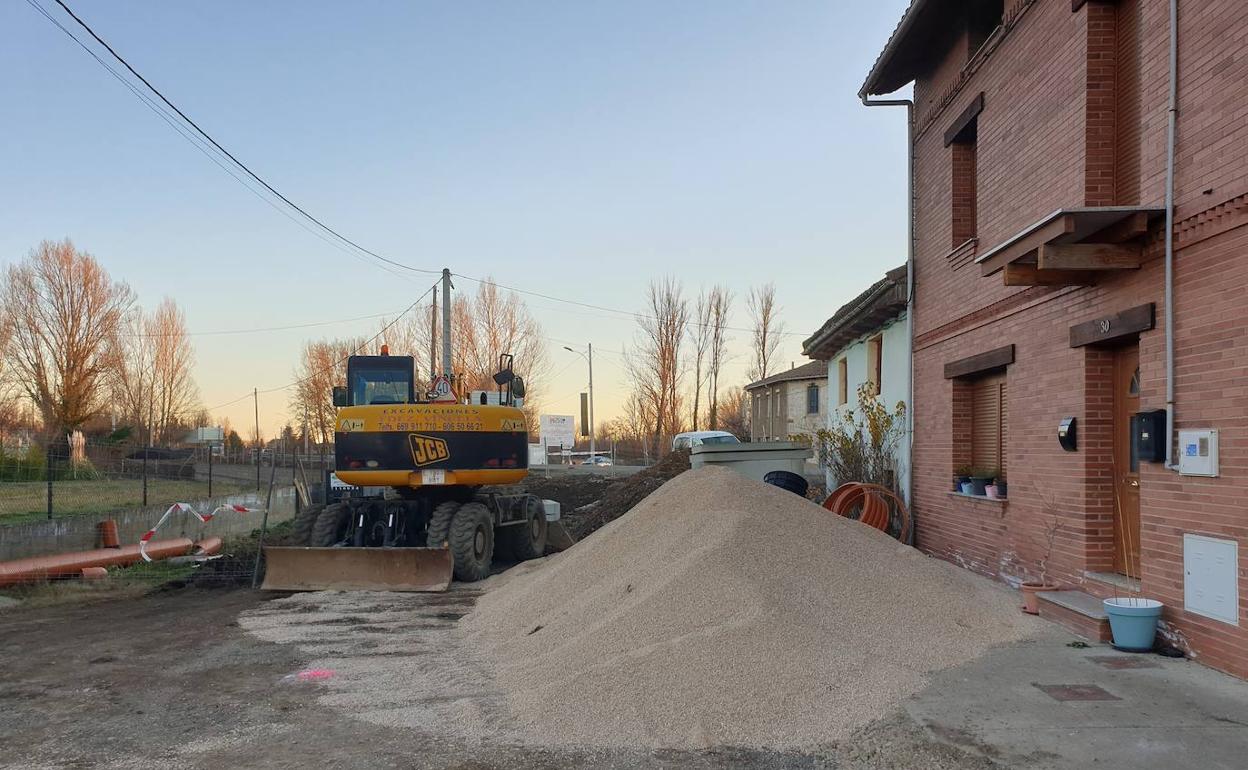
<point>874,500</point>
<point>71,564</point>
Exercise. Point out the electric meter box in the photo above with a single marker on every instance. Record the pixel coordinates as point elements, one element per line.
<point>1198,452</point>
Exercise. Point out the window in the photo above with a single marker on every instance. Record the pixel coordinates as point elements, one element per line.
<point>982,19</point>
<point>842,384</point>
<point>989,423</point>
<point>875,350</point>
<point>812,399</point>
<point>963,195</point>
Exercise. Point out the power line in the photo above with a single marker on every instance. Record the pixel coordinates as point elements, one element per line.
<point>335,364</point>
<point>269,328</point>
<point>604,309</point>
<point>246,169</point>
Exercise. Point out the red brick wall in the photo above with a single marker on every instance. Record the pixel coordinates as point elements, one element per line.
<point>1033,158</point>
<point>1100,128</point>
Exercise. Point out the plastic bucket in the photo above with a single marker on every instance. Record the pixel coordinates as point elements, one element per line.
<point>793,482</point>
<point>1133,622</point>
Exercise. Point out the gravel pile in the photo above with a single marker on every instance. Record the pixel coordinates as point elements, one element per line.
<point>722,611</point>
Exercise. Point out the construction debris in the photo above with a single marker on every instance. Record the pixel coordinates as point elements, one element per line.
<point>722,611</point>
<point>589,502</point>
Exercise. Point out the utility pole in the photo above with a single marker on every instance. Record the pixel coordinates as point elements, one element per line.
<point>433,338</point>
<point>592,445</point>
<point>255,396</point>
<point>593,448</point>
<point>446,321</point>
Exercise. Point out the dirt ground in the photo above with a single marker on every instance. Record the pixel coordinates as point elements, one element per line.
<point>171,679</point>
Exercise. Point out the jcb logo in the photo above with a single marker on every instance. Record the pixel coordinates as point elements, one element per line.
<point>427,449</point>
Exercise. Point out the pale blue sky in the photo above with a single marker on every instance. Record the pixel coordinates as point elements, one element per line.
<point>574,148</point>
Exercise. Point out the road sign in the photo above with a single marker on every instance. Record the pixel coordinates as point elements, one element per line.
<point>206,436</point>
<point>558,430</point>
<point>440,391</point>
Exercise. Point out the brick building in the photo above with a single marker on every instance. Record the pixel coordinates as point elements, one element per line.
<point>1041,146</point>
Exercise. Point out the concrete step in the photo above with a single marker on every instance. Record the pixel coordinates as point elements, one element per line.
<point>1076,611</point>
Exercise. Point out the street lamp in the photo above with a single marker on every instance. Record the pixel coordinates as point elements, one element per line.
<point>590,360</point>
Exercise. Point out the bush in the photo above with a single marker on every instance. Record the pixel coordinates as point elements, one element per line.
<point>862,446</point>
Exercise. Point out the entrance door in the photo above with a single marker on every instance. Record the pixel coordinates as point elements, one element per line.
<point>1126,463</point>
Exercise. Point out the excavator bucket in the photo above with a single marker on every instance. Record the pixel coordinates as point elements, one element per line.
<point>357,569</point>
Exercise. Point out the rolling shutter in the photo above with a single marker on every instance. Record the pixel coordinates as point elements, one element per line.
<point>989,423</point>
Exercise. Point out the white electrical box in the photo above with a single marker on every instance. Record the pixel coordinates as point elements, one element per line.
<point>1198,452</point>
<point>1211,577</point>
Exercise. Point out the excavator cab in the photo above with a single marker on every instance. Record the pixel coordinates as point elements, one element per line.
<point>383,379</point>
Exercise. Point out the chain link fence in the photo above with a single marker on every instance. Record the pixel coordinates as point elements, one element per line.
<point>62,500</point>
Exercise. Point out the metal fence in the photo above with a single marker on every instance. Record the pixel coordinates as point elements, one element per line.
<point>98,478</point>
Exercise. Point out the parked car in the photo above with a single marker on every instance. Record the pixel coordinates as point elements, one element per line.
<point>599,461</point>
<point>693,438</point>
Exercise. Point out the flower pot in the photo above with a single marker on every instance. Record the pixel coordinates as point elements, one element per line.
<point>967,488</point>
<point>991,491</point>
<point>1000,487</point>
<point>979,486</point>
<point>1031,603</point>
<point>1133,622</point>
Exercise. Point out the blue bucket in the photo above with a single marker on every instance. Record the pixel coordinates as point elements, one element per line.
<point>1133,622</point>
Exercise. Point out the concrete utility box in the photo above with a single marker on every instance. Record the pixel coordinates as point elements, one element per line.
<point>753,460</point>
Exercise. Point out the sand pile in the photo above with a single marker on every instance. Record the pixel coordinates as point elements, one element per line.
<point>722,611</point>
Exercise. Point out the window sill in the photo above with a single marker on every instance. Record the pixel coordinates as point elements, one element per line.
<point>984,498</point>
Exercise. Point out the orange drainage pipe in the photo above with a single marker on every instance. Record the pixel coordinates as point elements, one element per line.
<point>72,564</point>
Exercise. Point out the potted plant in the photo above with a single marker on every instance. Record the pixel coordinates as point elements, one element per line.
<point>1000,484</point>
<point>980,479</point>
<point>1031,603</point>
<point>962,479</point>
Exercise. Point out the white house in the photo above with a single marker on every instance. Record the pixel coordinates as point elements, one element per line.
<point>868,340</point>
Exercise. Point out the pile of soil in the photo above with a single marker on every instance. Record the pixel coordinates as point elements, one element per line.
<point>723,611</point>
<point>618,497</point>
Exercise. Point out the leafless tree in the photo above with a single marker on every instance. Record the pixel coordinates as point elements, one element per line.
<point>701,333</point>
<point>174,393</point>
<point>767,330</point>
<point>734,415</point>
<point>491,323</point>
<point>62,313</point>
<point>322,365</point>
<point>720,302</point>
<point>408,336</point>
<point>654,365</point>
<point>151,377</point>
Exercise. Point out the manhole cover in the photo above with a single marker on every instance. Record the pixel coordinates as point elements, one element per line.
<point>1075,692</point>
<point>1121,662</point>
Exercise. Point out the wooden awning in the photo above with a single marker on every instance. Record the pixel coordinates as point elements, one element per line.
<point>1072,246</point>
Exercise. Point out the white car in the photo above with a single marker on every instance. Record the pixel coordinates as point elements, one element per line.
<point>599,461</point>
<point>694,438</point>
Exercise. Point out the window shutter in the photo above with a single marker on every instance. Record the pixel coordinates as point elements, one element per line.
<point>842,385</point>
<point>988,423</point>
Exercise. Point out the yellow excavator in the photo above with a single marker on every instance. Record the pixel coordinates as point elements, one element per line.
<point>437,478</point>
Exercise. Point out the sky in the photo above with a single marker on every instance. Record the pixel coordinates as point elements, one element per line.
<point>576,149</point>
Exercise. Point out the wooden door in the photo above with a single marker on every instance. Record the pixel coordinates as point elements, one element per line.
<point>1126,463</point>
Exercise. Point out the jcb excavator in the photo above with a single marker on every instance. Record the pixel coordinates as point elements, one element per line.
<point>443,468</point>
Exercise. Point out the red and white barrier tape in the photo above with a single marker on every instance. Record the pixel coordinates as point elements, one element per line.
<point>188,508</point>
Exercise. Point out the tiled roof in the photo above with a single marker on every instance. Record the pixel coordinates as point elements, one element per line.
<point>864,313</point>
<point>815,370</point>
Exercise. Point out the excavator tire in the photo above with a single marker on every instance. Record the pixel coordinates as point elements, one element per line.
<point>528,540</point>
<point>472,542</point>
<point>301,530</point>
<point>330,525</point>
<point>440,523</point>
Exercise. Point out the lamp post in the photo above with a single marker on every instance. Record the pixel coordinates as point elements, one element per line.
<point>593,448</point>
